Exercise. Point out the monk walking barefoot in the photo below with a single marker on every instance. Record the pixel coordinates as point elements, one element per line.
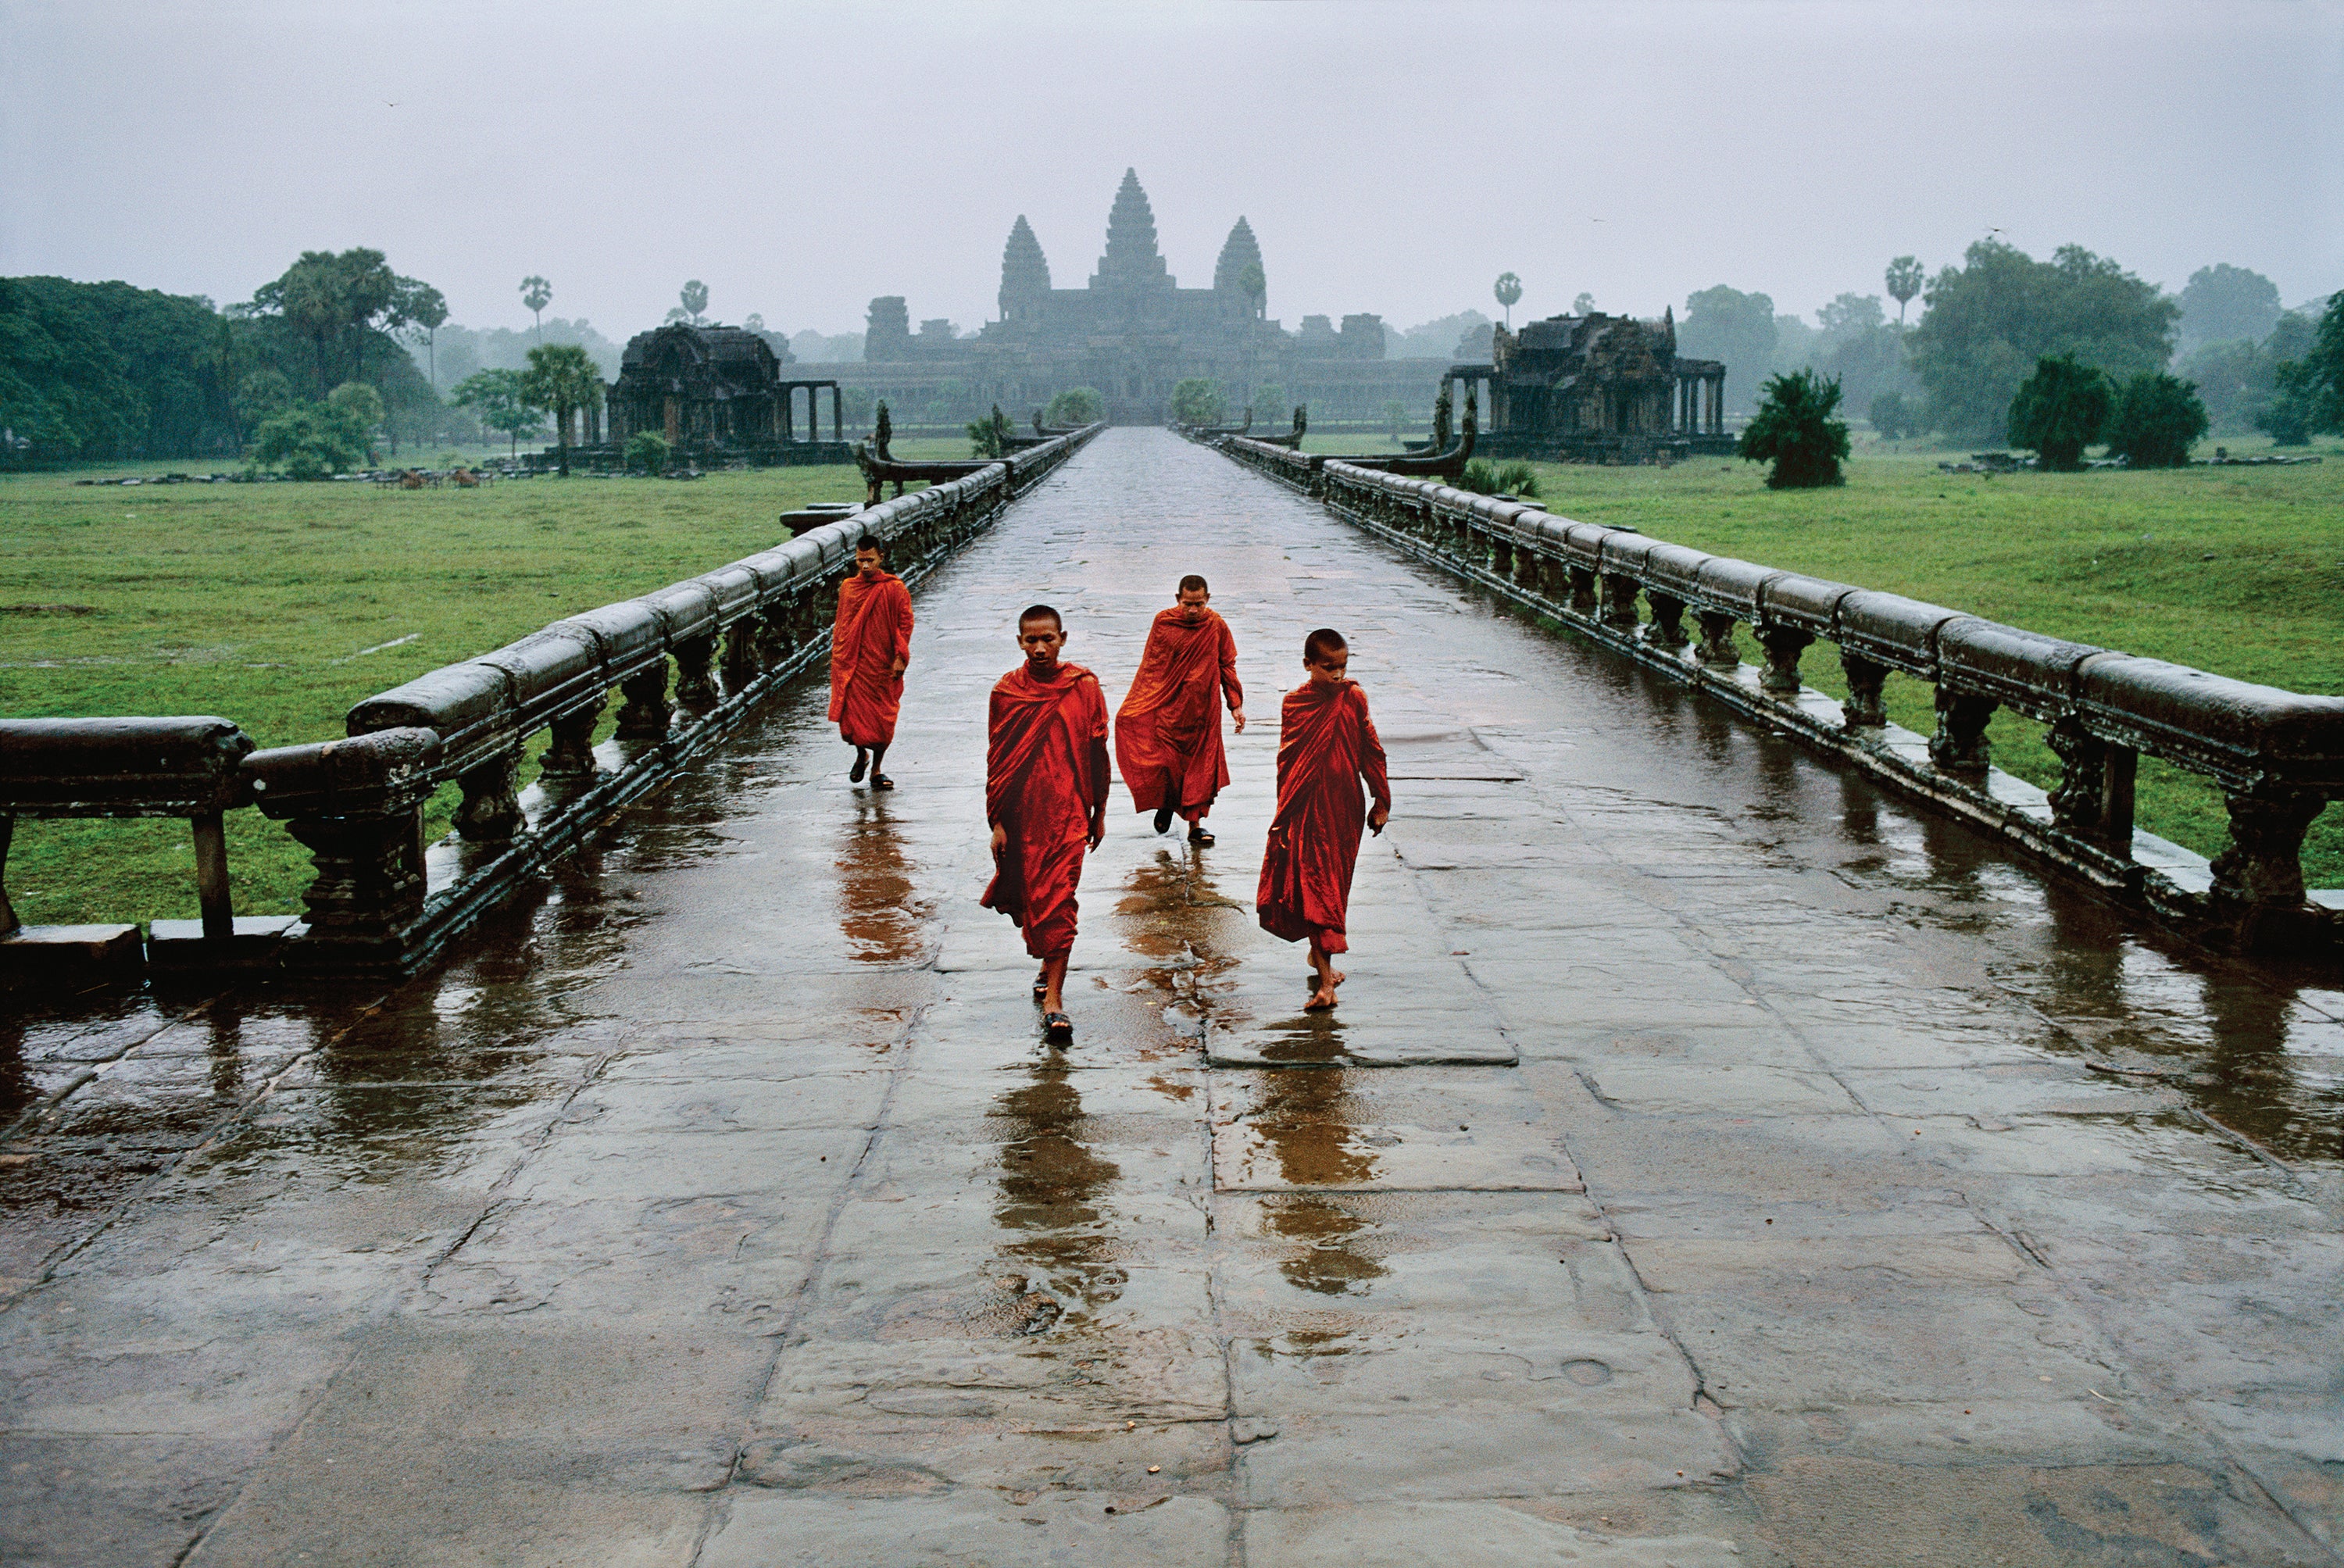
<point>1045,789</point>
<point>1167,733</point>
<point>869,650</point>
<point>1326,743</point>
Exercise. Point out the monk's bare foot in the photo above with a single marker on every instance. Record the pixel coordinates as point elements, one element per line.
<point>862,761</point>
<point>1320,1000</point>
<point>1336,976</point>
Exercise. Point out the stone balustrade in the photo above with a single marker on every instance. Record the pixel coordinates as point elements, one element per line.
<point>2277,756</point>
<point>691,661</point>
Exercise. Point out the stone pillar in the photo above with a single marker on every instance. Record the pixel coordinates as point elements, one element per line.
<point>1619,610</point>
<point>789,413</point>
<point>1783,644</point>
<point>695,686</point>
<point>491,808</point>
<point>2094,799</point>
<point>1667,630</point>
<point>1960,744</point>
<point>571,754</point>
<point>369,888</point>
<point>1583,597</point>
<point>1863,709</point>
<point>2262,870</point>
<point>1716,649</point>
<point>837,413</point>
<point>645,715</point>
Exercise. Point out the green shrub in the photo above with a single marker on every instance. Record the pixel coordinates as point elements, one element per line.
<point>647,450</point>
<point>309,441</point>
<point>2158,418</point>
<point>1075,406</point>
<point>1894,419</point>
<point>1197,400</point>
<point>1517,477</point>
<point>1796,429</point>
<point>2061,410</point>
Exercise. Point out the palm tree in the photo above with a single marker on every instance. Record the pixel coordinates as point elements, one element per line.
<point>1903,281</point>
<point>694,295</point>
<point>1508,289</point>
<point>536,294</point>
<point>563,379</point>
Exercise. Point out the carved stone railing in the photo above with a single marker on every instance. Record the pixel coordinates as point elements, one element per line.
<point>692,660</point>
<point>2277,756</point>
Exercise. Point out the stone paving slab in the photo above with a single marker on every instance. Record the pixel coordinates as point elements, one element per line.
<point>725,1207</point>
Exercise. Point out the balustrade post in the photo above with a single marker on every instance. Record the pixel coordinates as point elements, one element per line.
<point>8,921</point>
<point>369,886</point>
<point>2094,799</point>
<point>1502,555</point>
<point>695,683</point>
<point>1667,630</point>
<point>645,715</point>
<point>1865,678</point>
<point>491,808</point>
<point>1783,644</point>
<point>1619,610</point>
<point>1716,649</point>
<point>1582,599</point>
<point>2261,872</point>
<point>1960,744</point>
<point>1530,569</point>
<point>572,754</point>
<point>740,666</point>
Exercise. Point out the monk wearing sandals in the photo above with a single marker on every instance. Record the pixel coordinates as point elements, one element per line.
<point>869,650</point>
<point>1046,790</point>
<point>1327,744</point>
<point>1167,733</point>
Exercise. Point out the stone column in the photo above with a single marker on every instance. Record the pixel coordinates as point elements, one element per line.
<point>645,715</point>
<point>2262,870</point>
<point>1783,644</point>
<point>491,808</point>
<point>2094,799</point>
<point>1716,649</point>
<point>1863,709</point>
<point>695,686</point>
<point>571,754</point>
<point>837,413</point>
<point>1619,610</point>
<point>789,414</point>
<point>369,888</point>
<point>1667,630</point>
<point>1960,744</point>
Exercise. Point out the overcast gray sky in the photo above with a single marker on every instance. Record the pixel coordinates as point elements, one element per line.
<point>1392,158</point>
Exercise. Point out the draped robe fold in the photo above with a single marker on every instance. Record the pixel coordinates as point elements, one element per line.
<point>1326,744</point>
<point>874,630</point>
<point>1046,771</point>
<point>1167,733</point>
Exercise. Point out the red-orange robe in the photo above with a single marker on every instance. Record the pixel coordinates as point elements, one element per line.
<point>1167,733</point>
<point>1045,772</point>
<point>874,630</point>
<point>1326,744</point>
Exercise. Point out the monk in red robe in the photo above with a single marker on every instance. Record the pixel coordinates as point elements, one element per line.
<point>1326,743</point>
<point>1045,792</point>
<point>869,648</point>
<point>1167,733</point>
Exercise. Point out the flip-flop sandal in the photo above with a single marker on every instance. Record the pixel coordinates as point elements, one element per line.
<point>855,773</point>
<point>880,781</point>
<point>1041,987</point>
<point>1058,1029</point>
<point>1200,837</point>
<point>1164,820</point>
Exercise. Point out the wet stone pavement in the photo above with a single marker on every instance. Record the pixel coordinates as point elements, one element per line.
<point>1713,1160</point>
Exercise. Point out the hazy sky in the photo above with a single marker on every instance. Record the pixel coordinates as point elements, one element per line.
<point>1392,158</point>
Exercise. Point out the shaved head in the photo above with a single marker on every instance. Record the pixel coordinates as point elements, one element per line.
<point>1322,642</point>
<point>1042,613</point>
<point>1192,583</point>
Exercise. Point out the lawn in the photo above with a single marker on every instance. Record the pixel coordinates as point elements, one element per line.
<point>2238,571</point>
<point>280,606</point>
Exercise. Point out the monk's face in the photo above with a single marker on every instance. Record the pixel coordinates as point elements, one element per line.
<point>1192,602</point>
<point>869,563</point>
<point>1326,669</point>
<point>1040,641</point>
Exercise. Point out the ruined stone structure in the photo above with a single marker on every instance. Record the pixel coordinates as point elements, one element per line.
<point>719,394</point>
<point>1133,333</point>
<point>1599,388</point>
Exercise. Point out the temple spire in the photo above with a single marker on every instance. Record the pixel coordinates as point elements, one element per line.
<point>1025,271</point>
<point>1131,260</point>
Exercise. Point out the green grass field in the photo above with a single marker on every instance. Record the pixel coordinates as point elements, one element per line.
<point>279,606</point>
<point>2238,571</point>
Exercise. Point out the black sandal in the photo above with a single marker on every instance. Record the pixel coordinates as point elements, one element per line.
<point>1163,819</point>
<point>1198,836</point>
<point>1041,987</point>
<point>880,781</point>
<point>862,761</point>
<point>1058,1029</point>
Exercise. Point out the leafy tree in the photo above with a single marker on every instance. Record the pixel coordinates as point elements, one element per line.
<point>497,400</point>
<point>1740,329</point>
<point>362,405</point>
<point>536,294</point>
<point>1583,303</point>
<point>2223,303</point>
<point>1996,317</point>
<point>107,371</point>
<point>1797,429</point>
<point>1197,400</point>
<point>423,311</point>
<point>694,295</point>
<point>2310,391</point>
<point>1508,292</point>
<point>1852,313</point>
<point>1903,278</point>
<point>1395,417</point>
<point>309,441</point>
<point>989,436</point>
<point>1074,407</point>
<point>1893,417</point>
<point>260,394</point>
<point>563,379</point>
<point>647,450</point>
<point>1269,404</point>
<point>2060,409</point>
<point>2157,417</point>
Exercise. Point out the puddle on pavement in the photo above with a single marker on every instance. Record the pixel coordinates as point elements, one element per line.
<point>1050,1187</point>
<point>881,920</point>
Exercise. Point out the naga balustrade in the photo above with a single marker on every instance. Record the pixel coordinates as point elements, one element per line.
<point>691,661</point>
<point>2277,756</point>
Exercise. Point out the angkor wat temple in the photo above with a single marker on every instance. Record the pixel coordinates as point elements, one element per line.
<point>1133,333</point>
<point>1598,389</point>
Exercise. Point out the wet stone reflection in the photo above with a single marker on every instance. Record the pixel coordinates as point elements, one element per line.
<point>877,914</point>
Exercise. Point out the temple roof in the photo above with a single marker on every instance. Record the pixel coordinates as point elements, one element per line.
<point>1237,253</point>
<point>1131,260</point>
<point>1024,269</point>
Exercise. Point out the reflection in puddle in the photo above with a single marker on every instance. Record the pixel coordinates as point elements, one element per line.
<point>1050,1186</point>
<point>1301,1117</point>
<point>875,909</point>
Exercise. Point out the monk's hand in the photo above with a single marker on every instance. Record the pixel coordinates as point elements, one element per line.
<point>1377,817</point>
<point>1099,826</point>
<point>1000,841</point>
<point>1239,714</point>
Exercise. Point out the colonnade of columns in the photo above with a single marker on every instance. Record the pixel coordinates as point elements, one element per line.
<point>1701,403</point>
<point>787,410</point>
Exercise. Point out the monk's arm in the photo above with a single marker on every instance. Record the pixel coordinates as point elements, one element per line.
<point>902,628</point>
<point>1372,768</point>
<point>1232,689</point>
<point>1102,777</point>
